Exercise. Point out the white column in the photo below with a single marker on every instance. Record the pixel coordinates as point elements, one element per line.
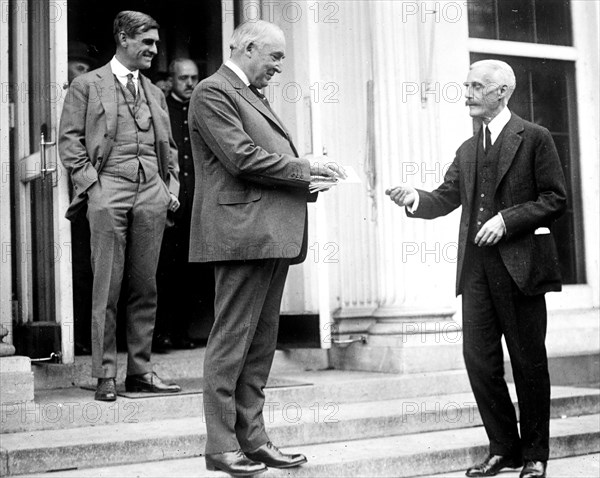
<point>419,123</point>
<point>5,203</point>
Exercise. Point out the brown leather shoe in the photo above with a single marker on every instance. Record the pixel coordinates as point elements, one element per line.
<point>106,390</point>
<point>149,382</point>
<point>493,464</point>
<point>233,462</point>
<point>533,469</point>
<point>271,456</point>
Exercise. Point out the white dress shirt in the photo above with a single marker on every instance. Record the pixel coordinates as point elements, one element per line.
<point>497,125</point>
<point>238,71</point>
<point>121,72</point>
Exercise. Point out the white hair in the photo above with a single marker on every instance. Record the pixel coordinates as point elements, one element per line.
<point>252,32</point>
<point>501,72</point>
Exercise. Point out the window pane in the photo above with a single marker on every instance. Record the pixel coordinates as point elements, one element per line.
<point>563,230</point>
<point>482,19</point>
<point>521,103</point>
<point>553,22</point>
<point>515,18</point>
<point>549,92</point>
<point>534,21</point>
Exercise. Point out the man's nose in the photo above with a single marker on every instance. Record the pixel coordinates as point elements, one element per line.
<point>278,68</point>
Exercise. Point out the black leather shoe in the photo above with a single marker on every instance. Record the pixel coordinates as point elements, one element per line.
<point>271,456</point>
<point>533,469</point>
<point>235,463</point>
<point>493,464</point>
<point>106,390</point>
<point>149,382</point>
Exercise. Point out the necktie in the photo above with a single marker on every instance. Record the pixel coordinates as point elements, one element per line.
<point>265,102</point>
<point>261,97</point>
<point>130,86</point>
<point>488,140</point>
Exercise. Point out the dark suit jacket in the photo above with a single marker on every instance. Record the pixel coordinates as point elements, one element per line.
<point>88,125</point>
<point>178,114</point>
<point>251,188</point>
<point>529,193</point>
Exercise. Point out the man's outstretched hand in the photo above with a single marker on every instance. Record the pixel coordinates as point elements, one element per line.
<point>402,195</point>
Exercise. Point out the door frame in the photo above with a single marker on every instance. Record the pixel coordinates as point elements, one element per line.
<point>26,165</point>
<point>6,275</point>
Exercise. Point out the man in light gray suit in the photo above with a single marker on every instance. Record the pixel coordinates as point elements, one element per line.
<point>116,143</point>
<point>249,220</point>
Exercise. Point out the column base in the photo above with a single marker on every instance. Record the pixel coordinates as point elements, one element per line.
<point>405,342</point>
<point>16,379</point>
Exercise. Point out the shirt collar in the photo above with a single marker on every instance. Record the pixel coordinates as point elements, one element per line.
<point>238,71</point>
<point>121,71</point>
<point>178,99</point>
<point>498,123</point>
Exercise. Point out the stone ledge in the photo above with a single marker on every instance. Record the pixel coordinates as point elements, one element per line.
<point>15,363</point>
<point>16,387</point>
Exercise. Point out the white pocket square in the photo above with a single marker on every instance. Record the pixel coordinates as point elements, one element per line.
<point>541,230</point>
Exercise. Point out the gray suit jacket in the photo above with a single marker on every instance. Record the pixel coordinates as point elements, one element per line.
<point>251,188</point>
<point>530,193</point>
<point>88,125</point>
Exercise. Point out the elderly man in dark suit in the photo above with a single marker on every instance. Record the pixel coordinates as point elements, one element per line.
<point>509,181</point>
<point>248,220</point>
<point>116,143</point>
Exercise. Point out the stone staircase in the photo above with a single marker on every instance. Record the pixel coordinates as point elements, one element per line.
<point>347,423</point>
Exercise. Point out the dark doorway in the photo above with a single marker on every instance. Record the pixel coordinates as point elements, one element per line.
<point>188,28</point>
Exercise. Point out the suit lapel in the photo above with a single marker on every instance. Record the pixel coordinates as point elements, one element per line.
<point>253,100</point>
<point>160,129</point>
<point>155,109</point>
<point>470,165</point>
<point>108,95</point>
<point>508,148</point>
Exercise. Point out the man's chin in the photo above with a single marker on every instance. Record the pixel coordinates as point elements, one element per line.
<point>146,63</point>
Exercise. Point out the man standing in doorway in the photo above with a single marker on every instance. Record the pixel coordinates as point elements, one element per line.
<point>115,141</point>
<point>509,181</point>
<point>177,279</point>
<point>248,220</point>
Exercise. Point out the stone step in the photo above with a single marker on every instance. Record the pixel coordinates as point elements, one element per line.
<point>176,363</point>
<point>289,423</point>
<point>74,407</point>
<point>421,454</point>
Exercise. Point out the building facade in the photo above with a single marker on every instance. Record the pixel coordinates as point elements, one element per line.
<point>377,86</point>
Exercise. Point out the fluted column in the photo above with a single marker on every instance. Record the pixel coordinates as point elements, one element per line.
<point>414,329</point>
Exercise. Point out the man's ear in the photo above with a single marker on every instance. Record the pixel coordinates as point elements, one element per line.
<point>502,92</point>
<point>249,47</point>
<point>122,38</point>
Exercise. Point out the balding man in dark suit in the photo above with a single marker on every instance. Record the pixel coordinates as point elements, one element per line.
<point>509,181</point>
<point>249,221</point>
